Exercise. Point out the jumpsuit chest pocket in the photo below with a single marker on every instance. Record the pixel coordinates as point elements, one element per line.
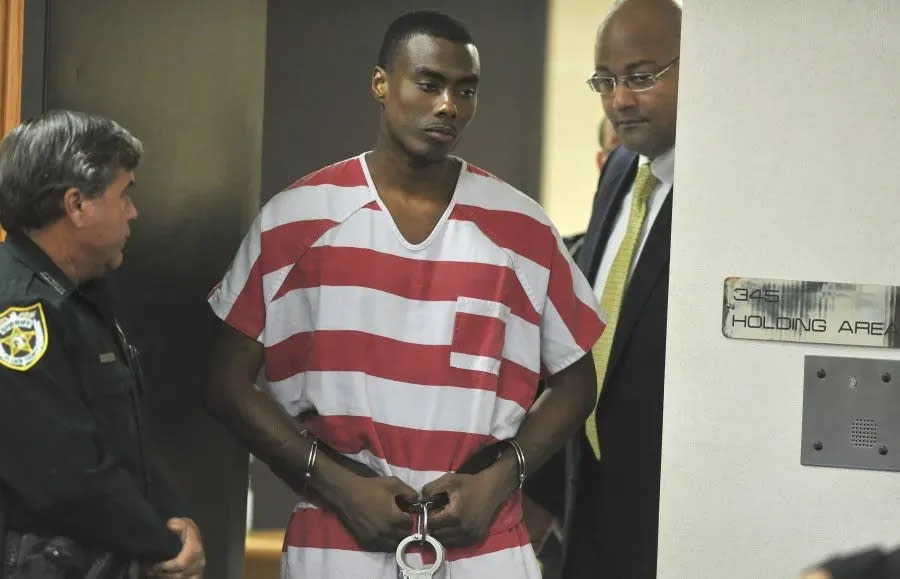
<point>479,333</point>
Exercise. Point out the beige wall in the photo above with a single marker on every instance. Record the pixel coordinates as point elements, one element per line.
<point>572,113</point>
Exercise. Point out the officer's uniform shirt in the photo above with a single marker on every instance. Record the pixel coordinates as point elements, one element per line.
<point>72,456</point>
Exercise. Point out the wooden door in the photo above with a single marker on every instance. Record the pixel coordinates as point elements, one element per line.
<point>12,14</point>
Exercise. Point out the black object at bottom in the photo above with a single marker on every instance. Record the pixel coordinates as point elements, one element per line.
<point>473,465</point>
<point>30,556</point>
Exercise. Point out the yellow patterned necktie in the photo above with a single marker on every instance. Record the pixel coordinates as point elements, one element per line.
<point>611,302</point>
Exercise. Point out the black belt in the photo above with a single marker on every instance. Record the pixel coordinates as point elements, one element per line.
<point>476,463</point>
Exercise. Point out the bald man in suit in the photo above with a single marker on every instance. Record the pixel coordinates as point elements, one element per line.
<point>612,504</point>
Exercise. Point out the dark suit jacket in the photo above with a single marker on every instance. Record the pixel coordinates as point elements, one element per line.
<point>612,508</point>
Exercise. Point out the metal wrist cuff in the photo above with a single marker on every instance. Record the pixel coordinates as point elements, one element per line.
<point>311,461</point>
<point>520,459</point>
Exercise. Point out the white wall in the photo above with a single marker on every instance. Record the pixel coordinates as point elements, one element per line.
<point>789,129</point>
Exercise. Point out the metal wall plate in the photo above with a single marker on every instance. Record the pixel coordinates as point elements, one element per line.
<point>851,413</point>
<point>808,311</point>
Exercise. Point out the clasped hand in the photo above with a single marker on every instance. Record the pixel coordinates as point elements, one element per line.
<point>370,510</point>
<point>474,502</point>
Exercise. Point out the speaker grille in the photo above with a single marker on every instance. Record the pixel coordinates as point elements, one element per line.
<point>863,433</point>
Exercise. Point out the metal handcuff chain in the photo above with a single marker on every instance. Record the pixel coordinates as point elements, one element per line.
<point>421,536</point>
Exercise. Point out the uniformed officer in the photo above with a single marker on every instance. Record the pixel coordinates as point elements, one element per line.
<point>81,497</point>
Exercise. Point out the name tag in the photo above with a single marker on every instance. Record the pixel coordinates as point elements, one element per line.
<point>107,357</point>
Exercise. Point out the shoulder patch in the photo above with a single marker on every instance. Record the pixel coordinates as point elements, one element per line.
<point>23,336</point>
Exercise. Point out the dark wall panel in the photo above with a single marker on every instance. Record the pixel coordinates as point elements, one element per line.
<point>187,78</point>
<point>318,68</point>
<point>33,57</point>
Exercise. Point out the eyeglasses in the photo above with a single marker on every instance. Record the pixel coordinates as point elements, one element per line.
<point>638,82</point>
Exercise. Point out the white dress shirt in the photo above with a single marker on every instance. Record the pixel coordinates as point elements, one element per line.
<point>663,168</point>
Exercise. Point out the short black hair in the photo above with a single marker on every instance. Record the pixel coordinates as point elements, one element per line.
<point>429,22</point>
<point>45,156</point>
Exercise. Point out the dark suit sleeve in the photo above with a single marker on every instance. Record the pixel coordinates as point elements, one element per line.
<point>52,464</point>
<point>546,487</point>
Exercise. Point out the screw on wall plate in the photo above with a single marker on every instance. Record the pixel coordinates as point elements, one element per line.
<point>821,373</point>
<point>882,450</point>
<point>886,377</point>
<point>817,445</point>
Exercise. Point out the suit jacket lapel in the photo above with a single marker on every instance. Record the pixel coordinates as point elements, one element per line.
<point>652,263</point>
<point>614,185</point>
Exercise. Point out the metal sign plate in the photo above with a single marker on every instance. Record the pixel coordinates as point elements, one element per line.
<point>808,311</point>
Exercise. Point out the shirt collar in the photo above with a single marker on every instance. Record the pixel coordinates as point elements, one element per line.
<point>28,252</point>
<point>663,167</point>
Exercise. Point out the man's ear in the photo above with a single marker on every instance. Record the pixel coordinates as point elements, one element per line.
<point>379,84</point>
<point>73,206</point>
